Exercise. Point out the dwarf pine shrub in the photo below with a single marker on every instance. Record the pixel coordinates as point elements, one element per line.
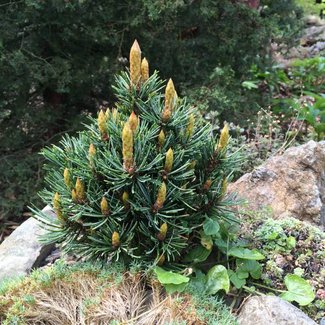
<point>146,180</point>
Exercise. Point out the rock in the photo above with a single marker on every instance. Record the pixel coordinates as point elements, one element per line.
<point>316,48</point>
<point>314,34</point>
<point>271,310</point>
<point>311,44</point>
<point>52,257</point>
<point>313,20</point>
<point>22,251</point>
<point>292,184</point>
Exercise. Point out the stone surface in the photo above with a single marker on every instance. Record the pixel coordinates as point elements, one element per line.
<point>22,251</point>
<point>313,20</point>
<point>292,184</point>
<point>312,43</point>
<point>271,310</point>
<point>313,34</point>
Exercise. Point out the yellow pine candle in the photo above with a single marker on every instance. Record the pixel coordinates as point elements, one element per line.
<point>224,137</point>
<point>104,207</point>
<point>115,239</point>
<point>144,70</point>
<point>161,196</point>
<point>80,191</point>
<point>135,63</point>
<point>162,232</point>
<point>127,144</point>
<point>169,160</point>
<point>133,122</point>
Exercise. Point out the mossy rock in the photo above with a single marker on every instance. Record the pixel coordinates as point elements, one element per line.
<point>291,247</point>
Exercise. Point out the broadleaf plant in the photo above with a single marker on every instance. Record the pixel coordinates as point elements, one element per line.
<point>299,290</point>
<point>147,180</point>
<point>217,279</point>
<point>173,282</point>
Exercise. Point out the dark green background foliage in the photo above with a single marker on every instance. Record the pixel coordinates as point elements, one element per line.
<point>58,59</point>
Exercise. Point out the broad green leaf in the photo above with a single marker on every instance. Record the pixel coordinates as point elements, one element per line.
<point>222,245</point>
<point>169,277</point>
<point>197,255</point>
<point>241,274</point>
<point>245,253</point>
<point>206,241</point>
<point>250,266</point>
<point>256,274</point>
<point>249,85</point>
<point>211,227</point>
<point>299,290</point>
<point>217,279</point>
<point>235,280</point>
<point>171,288</point>
<point>198,281</point>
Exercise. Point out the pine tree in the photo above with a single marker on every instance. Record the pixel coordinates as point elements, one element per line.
<point>147,180</point>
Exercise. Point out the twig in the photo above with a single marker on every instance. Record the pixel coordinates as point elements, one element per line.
<point>266,287</point>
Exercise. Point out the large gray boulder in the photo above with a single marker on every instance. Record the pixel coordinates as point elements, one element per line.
<point>271,310</point>
<point>22,251</point>
<point>292,184</point>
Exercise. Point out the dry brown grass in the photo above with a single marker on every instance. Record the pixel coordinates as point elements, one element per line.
<point>84,299</point>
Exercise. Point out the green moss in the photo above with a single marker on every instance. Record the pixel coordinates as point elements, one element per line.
<point>214,311</point>
<point>290,246</point>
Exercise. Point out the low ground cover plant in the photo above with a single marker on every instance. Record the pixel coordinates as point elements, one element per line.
<point>293,250</point>
<point>88,293</point>
<point>292,112</point>
<point>296,94</point>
